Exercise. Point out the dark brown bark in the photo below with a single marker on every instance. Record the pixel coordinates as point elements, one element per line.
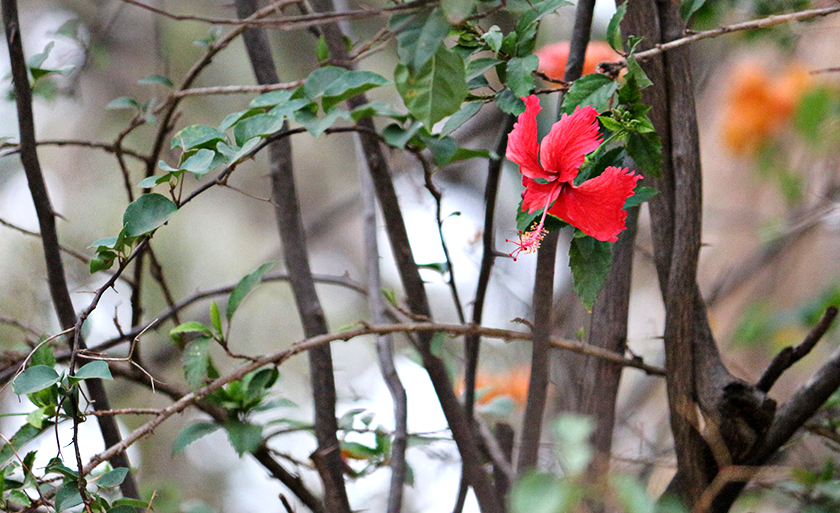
<point>290,224</point>
<point>56,279</point>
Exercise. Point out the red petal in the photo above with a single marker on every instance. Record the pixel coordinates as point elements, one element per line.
<point>537,195</point>
<point>596,207</point>
<point>522,146</point>
<point>570,139</point>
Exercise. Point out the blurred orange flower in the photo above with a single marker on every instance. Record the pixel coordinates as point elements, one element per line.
<point>759,104</point>
<point>512,383</point>
<point>553,58</point>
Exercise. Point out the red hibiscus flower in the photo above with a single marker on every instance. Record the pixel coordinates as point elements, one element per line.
<point>596,206</point>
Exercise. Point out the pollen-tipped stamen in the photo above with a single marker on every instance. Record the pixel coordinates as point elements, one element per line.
<point>529,241</point>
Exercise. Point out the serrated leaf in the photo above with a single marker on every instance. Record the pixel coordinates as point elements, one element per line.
<point>594,89</point>
<point>636,71</point>
<point>112,478</point>
<point>93,370</point>
<point>215,318</point>
<point>197,136</point>
<point>477,67</point>
<point>244,287</point>
<point>35,378</point>
<point>156,80</point>
<point>123,102</point>
<point>466,113</point>
<point>614,28</point>
<point>646,150</point>
<point>133,503</point>
<point>196,362</point>
<point>243,436</point>
<point>509,103</point>
<point>419,36</point>
<point>19,498</point>
<point>640,195</point>
<point>376,108</point>
<point>590,261</point>
<point>147,213</point>
<point>262,380</point>
<point>192,433</point>
<point>437,90</point>
<point>519,74</point>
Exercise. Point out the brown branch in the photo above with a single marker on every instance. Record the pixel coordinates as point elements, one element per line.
<point>790,355</point>
<point>291,22</point>
<point>124,411</point>
<point>237,89</point>
<point>56,278</point>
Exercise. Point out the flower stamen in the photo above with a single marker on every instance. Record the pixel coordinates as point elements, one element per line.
<point>529,241</point>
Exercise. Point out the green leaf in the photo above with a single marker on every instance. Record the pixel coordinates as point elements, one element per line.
<point>640,195</point>
<point>271,99</point>
<point>358,451</point>
<point>338,84</point>
<point>646,150</point>
<point>37,60</point>
<point>192,433</point>
<point>93,370</point>
<point>493,38</point>
<point>520,74</point>
<point>322,52</point>
<point>315,125</point>
<point>256,126</point>
<point>261,380</point>
<point>196,361</point>
<point>243,436</point>
<point>147,213</point>
<point>197,136</point>
<point>112,478</point>
<point>572,448</point>
<point>466,113</point>
<point>24,435</point>
<point>123,102</point>
<point>813,109</point>
<point>67,496</point>
<point>376,108</point>
<point>594,89</point>
<point>43,356</point>
<point>543,493</point>
<point>614,28</point>
<point>19,498</point>
<point>199,163</point>
<point>590,261</point>
<point>191,329</point>
<point>419,36</point>
<point>156,80</point>
<point>631,495</point>
<point>35,378</point>
<point>234,154</point>
<point>215,318</point>
<point>437,90</point>
<point>509,103</point>
<point>125,508</point>
<point>134,503</point>
<point>689,7</point>
<point>478,67</point>
<point>244,287</point>
<point>397,136</point>
<point>445,150</point>
<point>635,71</point>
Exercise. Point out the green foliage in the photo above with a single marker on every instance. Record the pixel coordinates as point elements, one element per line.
<point>191,433</point>
<point>436,90</point>
<point>419,37</point>
<point>147,213</point>
<point>614,28</point>
<point>244,287</point>
<point>590,261</point>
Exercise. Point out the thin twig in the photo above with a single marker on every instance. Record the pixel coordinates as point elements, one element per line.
<point>292,22</point>
<point>770,21</point>
<point>237,89</point>
<point>790,355</point>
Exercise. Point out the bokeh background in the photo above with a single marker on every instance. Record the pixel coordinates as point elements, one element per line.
<point>769,111</point>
